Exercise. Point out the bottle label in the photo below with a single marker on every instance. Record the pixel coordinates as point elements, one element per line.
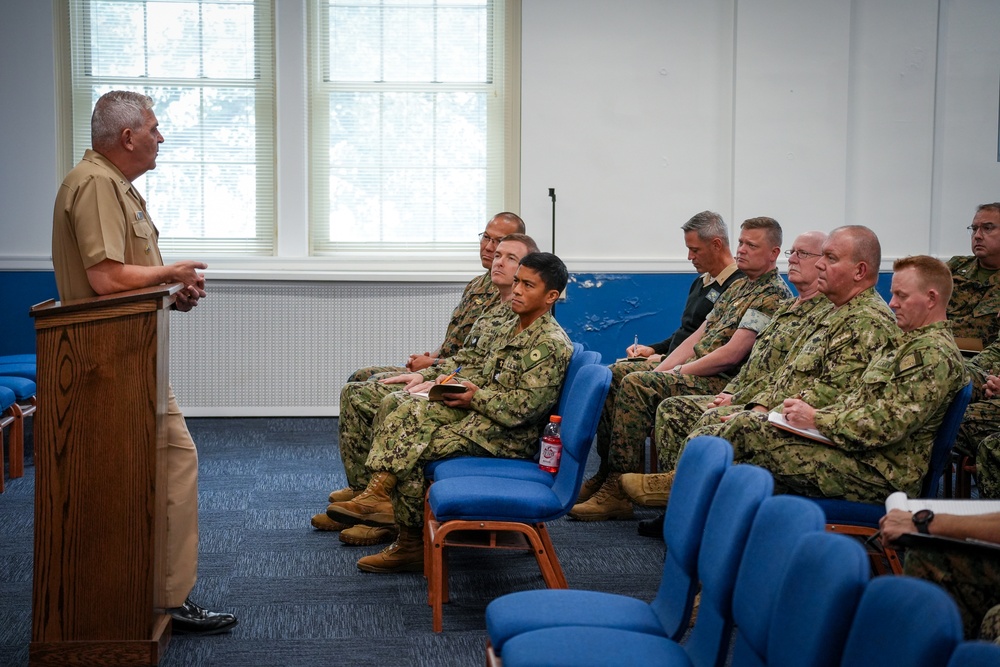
<point>550,453</point>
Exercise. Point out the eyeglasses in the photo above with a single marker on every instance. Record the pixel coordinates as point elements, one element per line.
<point>801,253</point>
<point>486,239</point>
<point>986,228</point>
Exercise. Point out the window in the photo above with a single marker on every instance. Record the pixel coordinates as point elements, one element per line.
<point>409,121</point>
<point>208,65</point>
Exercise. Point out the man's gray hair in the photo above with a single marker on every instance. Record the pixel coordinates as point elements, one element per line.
<point>707,225</point>
<point>114,112</point>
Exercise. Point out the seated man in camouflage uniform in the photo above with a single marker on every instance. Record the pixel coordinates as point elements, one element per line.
<point>766,358</point>
<point>976,301</point>
<point>973,580</point>
<point>477,296</point>
<point>359,401</point>
<point>702,364</point>
<point>707,241</point>
<point>881,433</point>
<point>826,359</point>
<point>509,395</point>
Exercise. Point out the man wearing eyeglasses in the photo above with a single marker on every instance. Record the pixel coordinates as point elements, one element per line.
<point>478,296</point>
<point>976,301</point>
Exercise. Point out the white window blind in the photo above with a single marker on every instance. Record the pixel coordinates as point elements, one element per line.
<point>208,65</point>
<point>409,122</point>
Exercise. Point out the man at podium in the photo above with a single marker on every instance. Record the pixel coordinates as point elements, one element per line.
<point>103,241</point>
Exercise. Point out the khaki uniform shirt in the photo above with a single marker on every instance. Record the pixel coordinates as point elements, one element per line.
<point>98,215</point>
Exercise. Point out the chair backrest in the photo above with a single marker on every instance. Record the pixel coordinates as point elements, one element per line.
<point>780,523</point>
<point>22,387</point>
<point>580,358</point>
<point>816,602</point>
<point>944,440</point>
<point>743,489</point>
<point>975,654</point>
<point>700,468</point>
<point>579,426</point>
<point>904,622</point>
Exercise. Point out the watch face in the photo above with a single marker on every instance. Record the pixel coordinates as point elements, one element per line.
<point>923,516</point>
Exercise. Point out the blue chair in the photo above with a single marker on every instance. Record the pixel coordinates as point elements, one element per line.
<point>904,622</point>
<point>465,466</point>
<point>19,369</point>
<point>975,654</point>
<point>776,525</point>
<point>699,471</point>
<point>10,415</point>
<point>497,506</point>
<point>861,519</point>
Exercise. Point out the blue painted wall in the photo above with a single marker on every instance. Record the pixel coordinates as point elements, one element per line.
<point>604,311</point>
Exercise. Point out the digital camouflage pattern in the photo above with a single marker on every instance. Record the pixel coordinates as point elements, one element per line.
<point>519,383</point>
<point>982,417</point>
<point>830,359</point>
<point>478,295</point>
<point>626,421</point>
<point>359,401</point>
<point>974,303</point>
<point>988,467</point>
<point>678,415</point>
<point>882,430</point>
<point>972,581</point>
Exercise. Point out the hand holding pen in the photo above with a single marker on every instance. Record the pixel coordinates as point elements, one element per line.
<point>448,378</point>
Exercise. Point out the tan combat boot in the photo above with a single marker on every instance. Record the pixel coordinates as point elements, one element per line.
<point>340,495</point>
<point>367,536</point>
<point>608,503</point>
<point>592,485</point>
<point>406,554</point>
<point>323,522</point>
<point>371,507</point>
<point>648,490</point>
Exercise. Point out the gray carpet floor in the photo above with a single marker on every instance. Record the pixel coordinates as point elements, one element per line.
<point>299,596</point>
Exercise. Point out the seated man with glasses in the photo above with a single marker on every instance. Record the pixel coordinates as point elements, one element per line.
<point>976,301</point>
<point>478,295</point>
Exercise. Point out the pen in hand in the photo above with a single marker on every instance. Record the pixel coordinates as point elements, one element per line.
<point>635,345</point>
<point>450,376</point>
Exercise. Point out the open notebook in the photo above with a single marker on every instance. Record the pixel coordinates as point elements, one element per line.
<point>900,501</point>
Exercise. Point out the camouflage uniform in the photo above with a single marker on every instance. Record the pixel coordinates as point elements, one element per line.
<point>982,417</point>
<point>359,401</point>
<point>701,299</point>
<point>990,627</point>
<point>747,305</point>
<point>972,581</point>
<point>882,431</point>
<point>974,302</point>
<point>478,295</point>
<point>677,416</point>
<point>519,382</point>
<point>988,466</point>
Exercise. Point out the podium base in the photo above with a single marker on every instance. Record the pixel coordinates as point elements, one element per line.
<point>108,652</point>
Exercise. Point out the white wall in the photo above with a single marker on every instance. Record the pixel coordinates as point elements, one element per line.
<point>816,112</point>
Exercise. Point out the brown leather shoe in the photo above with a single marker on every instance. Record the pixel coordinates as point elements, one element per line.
<point>406,554</point>
<point>648,490</point>
<point>607,504</point>
<point>340,495</point>
<point>323,522</point>
<point>368,536</point>
<point>371,507</point>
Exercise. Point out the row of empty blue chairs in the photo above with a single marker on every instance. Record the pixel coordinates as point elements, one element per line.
<point>788,592</point>
<point>17,401</point>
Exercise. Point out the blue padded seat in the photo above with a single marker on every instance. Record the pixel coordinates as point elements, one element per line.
<point>699,471</point>
<point>18,358</point>
<point>975,654</point>
<point>903,621</point>
<point>467,466</point>
<point>23,370</point>
<point>23,388</point>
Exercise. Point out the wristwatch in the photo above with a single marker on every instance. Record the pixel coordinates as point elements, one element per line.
<point>921,519</point>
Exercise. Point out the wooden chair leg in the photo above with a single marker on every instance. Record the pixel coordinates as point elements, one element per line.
<point>16,443</point>
<point>558,577</point>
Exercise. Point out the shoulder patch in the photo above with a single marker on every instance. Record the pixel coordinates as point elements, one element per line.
<point>535,355</point>
<point>911,360</point>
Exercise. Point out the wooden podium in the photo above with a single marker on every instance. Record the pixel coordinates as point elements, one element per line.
<point>100,480</point>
